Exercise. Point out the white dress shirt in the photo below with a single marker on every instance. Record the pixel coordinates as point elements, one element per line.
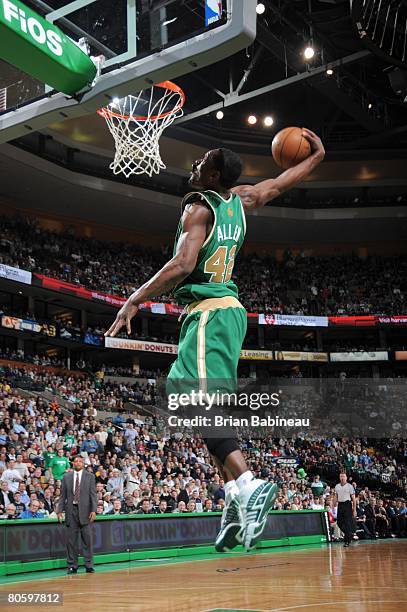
<point>75,475</point>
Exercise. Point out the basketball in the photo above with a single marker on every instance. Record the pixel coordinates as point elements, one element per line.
<point>289,147</point>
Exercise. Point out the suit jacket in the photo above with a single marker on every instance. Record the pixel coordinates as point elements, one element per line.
<point>2,500</point>
<point>370,513</point>
<point>87,497</point>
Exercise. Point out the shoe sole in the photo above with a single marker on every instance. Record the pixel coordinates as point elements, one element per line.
<point>254,531</point>
<point>230,539</point>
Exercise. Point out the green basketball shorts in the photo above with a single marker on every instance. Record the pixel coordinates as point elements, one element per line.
<point>209,347</point>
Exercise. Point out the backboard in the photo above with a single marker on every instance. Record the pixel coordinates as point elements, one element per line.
<point>143,42</point>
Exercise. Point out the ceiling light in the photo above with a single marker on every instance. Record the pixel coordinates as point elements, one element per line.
<point>252,120</point>
<point>219,114</point>
<point>370,105</point>
<point>260,8</point>
<point>268,121</point>
<point>329,72</point>
<point>309,52</point>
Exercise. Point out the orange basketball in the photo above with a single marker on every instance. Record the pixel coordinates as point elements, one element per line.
<point>289,147</point>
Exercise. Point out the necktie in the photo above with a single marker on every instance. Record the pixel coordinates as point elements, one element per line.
<point>76,491</point>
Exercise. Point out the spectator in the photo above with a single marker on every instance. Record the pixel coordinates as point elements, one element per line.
<point>19,506</point>
<point>382,521</point>
<point>220,492</point>
<point>21,467</point>
<point>181,507</point>
<point>316,503</point>
<point>48,455</point>
<point>22,489</point>
<point>12,476</point>
<point>162,508</point>
<point>59,465</point>
<point>34,511</point>
<point>361,527</point>
<point>48,501</point>
<point>370,512</point>
<point>208,506</point>
<point>115,483</point>
<point>117,508</point>
<point>89,445</point>
<point>145,507</point>
<point>10,513</point>
<point>130,505</point>
<point>317,486</point>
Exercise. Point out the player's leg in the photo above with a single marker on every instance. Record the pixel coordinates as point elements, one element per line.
<point>255,499</point>
<point>224,335</point>
<point>208,353</point>
<point>231,532</point>
<point>192,370</point>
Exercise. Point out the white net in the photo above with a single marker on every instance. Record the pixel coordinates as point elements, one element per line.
<point>136,124</point>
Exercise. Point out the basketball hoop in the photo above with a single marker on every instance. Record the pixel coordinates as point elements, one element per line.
<point>137,123</point>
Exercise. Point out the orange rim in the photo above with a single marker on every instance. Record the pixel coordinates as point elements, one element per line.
<point>164,85</point>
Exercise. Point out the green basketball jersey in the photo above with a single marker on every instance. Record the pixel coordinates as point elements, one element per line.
<point>214,267</point>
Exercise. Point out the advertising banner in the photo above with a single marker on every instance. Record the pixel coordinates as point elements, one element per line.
<point>394,320</point>
<point>46,540</point>
<point>286,461</point>
<point>172,349</point>
<point>255,355</point>
<point>41,49</point>
<point>29,326</point>
<point>301,356</point>
<point>175,310</point>
<point>293,320</point>
<point>15,274</point>
<point>141,345</point>
<point>360,356</point>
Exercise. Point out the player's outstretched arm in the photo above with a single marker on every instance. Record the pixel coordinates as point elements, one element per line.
<point>195,222</point>
<point>257,196</point>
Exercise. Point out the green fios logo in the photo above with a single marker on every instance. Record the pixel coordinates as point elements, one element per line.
<point>33,27</point>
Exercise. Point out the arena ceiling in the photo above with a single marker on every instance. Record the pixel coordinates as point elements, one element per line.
<point>354,109</point>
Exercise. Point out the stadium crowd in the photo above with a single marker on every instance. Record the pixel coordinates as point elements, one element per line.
<point>82,391</point>
<point>140,469</point>
<point>296,285</point>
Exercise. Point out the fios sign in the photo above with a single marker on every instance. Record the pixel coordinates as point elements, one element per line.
<point>213,11</point>
<point>32,26</point>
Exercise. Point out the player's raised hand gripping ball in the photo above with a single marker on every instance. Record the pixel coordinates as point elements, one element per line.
<point>290,146</point>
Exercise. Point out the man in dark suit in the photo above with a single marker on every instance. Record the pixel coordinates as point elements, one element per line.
<point>79,502</point>
<point>6,496</point>
<point>370,514</point>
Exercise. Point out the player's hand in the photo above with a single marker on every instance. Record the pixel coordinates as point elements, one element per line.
<point>123,319</point>
<point>92,516</point>
<point>60,517</point>
<point>315,142</point>
<point>355,514</point>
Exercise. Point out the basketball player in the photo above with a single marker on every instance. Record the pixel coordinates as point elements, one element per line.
<point>210,234</point>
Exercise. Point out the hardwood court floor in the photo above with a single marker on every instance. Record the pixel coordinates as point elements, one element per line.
<point>365,577</point>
